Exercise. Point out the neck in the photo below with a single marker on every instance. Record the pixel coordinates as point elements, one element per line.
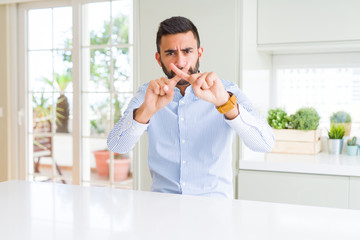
<point>182,88</point>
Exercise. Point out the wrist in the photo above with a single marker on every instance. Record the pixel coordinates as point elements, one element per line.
<point>230,104</point>
<point>223,99</point>
<point>142,114</point>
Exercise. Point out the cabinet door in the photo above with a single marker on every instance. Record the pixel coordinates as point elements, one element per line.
<point>354,199</point>
<point>305,189</point>
<point>308,21</point>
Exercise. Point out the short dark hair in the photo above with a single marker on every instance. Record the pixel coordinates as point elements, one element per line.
<point>175,25</point>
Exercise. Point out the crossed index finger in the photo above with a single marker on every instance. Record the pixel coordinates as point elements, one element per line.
<point>180,74</point>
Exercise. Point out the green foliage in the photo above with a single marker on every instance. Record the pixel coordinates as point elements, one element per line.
<point>305,119</point>
<point>352,142</point>
<point>278,118</point>
<point>340,117</point>
<point>336,131</point>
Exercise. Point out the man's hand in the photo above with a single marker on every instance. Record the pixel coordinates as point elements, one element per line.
<point>159,93</point>
<point>207,86</point>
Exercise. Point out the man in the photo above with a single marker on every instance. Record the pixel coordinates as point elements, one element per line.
<point>190,117</point>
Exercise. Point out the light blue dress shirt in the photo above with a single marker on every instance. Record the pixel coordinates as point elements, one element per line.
<point>190,142</point>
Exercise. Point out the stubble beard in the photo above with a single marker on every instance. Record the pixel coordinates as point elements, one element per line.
<point>171,74</point>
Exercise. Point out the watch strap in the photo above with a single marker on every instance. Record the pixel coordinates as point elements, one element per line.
<point>229,105</point>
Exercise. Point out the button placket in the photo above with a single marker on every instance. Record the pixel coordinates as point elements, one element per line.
<point>182,134</point>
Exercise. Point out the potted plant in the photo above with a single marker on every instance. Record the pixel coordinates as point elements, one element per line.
<point>305,119</point>
<point>297,133</point>
<point>335,141</point>
<point>352,147</point>
<point>344,118</point>
<point>121,164</point>
<point>278,118</point>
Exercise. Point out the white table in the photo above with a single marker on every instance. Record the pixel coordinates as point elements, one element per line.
<point>55,211</point>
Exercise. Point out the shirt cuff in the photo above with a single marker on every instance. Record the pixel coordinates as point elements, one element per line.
<point>135,128</point>
<point>241,123</point>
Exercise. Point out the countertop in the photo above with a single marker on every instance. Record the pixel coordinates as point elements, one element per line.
<point>54,211</point>
<point>322,163</point>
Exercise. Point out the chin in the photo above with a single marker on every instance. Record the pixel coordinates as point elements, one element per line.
<point>183,82</point>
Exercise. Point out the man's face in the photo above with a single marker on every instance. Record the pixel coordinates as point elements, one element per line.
<point>179,49</point>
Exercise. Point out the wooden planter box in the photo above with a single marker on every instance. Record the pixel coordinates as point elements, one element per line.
<point>297,141</point>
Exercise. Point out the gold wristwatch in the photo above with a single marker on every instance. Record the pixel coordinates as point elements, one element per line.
<point>229,105</point>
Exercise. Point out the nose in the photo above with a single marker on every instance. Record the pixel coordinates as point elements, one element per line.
<point>180,60</point>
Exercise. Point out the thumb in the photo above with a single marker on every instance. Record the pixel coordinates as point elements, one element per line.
<point>168,90</point>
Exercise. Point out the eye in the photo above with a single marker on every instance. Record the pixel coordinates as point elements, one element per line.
<point>188,51</point>
<point>169,53</point>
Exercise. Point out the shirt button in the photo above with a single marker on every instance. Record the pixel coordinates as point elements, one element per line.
<point>132,128</point>
<point>182,119</point>
<point>128,123</point>
<point>182,102</point>
<point>183,141</point>
<point>184,162</point>
<point>183,184</point>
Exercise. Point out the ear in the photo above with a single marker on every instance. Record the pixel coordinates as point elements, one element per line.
<point>158,58</point>
<point>200,50</point>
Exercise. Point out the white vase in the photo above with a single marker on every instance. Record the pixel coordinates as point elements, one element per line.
<point>335,146</point>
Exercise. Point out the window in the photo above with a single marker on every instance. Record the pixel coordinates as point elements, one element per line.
<point>327,82</point>
<point>77,73</point>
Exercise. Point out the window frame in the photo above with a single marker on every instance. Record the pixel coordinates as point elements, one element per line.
<point>23,127</point>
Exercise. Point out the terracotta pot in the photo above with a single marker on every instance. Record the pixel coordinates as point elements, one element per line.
<point>102,167</point>
<point>121,166</point>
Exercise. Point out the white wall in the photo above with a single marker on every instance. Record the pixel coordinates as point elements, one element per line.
<point>218,25</point>
<point>256,67</point>
<point>4,174</point>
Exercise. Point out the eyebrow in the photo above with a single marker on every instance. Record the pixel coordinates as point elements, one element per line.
<point>173,50</point>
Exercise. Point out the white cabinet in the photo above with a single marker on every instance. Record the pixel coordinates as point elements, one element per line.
<point>308,21</point>
<point>354,196</point>
<point>294,188</point>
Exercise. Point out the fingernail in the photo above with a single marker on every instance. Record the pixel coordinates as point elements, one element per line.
<point>166,88</point>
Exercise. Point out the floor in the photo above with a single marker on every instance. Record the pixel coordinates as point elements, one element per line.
<point>46,174</point>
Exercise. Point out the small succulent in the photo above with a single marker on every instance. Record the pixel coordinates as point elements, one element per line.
<point>340,117</point>
<point>352,142</point>
<point>336,131</point>
<point>278,118</point>
<point>305,119</point>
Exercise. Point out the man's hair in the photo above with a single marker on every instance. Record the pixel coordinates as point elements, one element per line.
<point>175,25</point>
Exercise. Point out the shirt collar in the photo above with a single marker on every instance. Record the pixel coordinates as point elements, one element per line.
<point>189,94</point>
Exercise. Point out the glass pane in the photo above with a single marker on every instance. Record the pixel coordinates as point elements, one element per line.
<point>63,155</point>
<point>62,27</point>
<point>40,29</point>
<point>122,70</point>
<point>40,71</point>
<point>42,158</point>
<point>63,68</point>
<point>95,164</point>
<point>64,107</point>
<point>96,115</point>
<point>122,169</point>
<point>42,112</point>
<point>120,103</point>
<point>121,13</point>
<point>96,17</point>
<point>97,76</point>
<point>326,89</point>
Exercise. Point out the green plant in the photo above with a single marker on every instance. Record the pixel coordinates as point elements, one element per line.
<point>278,118</point>
<point>305,119</point>
<point>340,117</point>
<point>62,104</point>
<point>336,131</point>
<point>352,142</point>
